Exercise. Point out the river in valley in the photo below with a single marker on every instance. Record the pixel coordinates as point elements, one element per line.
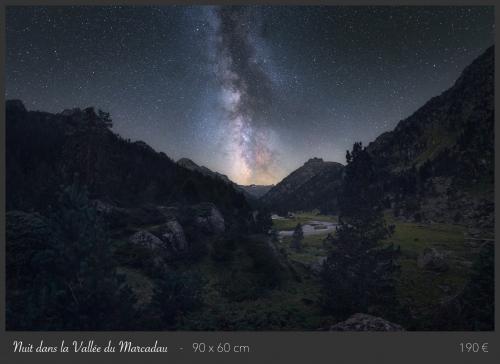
<point>313,227</point>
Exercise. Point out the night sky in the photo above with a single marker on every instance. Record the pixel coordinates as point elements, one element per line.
<point>251,92</point>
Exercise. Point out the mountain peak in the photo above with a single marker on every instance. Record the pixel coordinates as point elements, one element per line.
<point>187,163</point>
<point>310,186</point>
<point>314,160</point>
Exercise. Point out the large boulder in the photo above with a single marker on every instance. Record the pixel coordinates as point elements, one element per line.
<point>165,239</point>
<point>209,219</point>
<point>148,240</point>
<point>433,260</point>
<point>158,249</point>
<point>173,235</point>
<point>364,322</point>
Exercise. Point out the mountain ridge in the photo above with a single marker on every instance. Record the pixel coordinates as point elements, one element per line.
<point>445,144</point>
<point>438,164</point>
<point>191,165</point>
<point>303,188</point>
<point>252,192</point>
<point>443,114</point>
<point>57,147</point>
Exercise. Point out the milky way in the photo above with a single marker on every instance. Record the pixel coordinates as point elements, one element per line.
<point>251,92</point>
<point>246,96</point>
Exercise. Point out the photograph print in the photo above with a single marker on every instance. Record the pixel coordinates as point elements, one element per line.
<point>249,168</point>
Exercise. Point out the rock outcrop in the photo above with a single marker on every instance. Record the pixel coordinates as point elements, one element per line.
<point>147,240</point>
<point>173,234</point>
<point>432,160</point>
<point>364,322</point>
<point>209,219</point>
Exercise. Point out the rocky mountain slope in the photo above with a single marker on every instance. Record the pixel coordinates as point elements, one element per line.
<point>314,185</point>
<point>455,122</point>
<point>436,165</point>
<point>439,162</point>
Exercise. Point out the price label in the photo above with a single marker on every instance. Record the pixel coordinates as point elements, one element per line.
<point>474,347</point>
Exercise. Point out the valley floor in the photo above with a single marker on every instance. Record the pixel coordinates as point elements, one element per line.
<point>295,304</point>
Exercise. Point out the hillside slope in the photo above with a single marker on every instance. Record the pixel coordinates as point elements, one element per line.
<point>459,121</point>
<point>438,164</point>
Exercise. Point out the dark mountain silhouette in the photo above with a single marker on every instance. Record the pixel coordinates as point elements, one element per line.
<point>439,162</point>
<point>257,191</point>
<point>45,151</point>
<point>251,192</point>
<point>189,164</point>
<point>314,185</point>
<point>457,125</point>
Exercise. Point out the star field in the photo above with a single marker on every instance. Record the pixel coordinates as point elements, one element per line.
<point>251,92</point>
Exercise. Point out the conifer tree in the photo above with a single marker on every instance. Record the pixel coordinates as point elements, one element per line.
<point>359,273</point>
<point>297,237</point>
<point>79,287</point>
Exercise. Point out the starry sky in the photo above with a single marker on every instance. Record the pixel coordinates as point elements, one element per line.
<point>252,92</point>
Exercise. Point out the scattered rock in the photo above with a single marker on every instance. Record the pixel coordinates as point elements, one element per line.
<point>364,322</point>
<point>431,259</point>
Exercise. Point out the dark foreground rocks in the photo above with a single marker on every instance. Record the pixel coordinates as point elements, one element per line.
<point>364,322</point>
